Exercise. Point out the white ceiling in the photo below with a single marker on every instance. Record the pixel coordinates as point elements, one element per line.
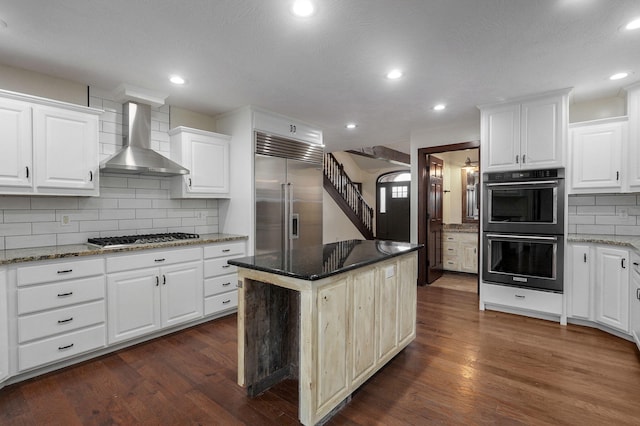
<point>329,69</point>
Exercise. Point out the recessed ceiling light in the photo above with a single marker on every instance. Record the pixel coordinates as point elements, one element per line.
<point>619,76</point>
<point>439,107</point>
<point>351,126</point>
<point>303,8</point>
<point>394,74</point>
<point>176,79</point>
<point>633,25</point>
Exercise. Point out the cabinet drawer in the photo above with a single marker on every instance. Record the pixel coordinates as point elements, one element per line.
<point>215,267</point>
<point>467,238</point>
<point>36,326</point>
<point>540,301</point>
<point>449,237</point>
<point>220,284</point>
<point>126,262</point>
<point>38,298</point>
<point>449,249</point>
<point>450,263</point>
<point>221,302</point>
<point>56,348</point>
<point>228,249</point>
<point>59,271</point>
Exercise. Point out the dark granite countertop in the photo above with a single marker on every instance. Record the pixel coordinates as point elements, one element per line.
<point>76,250</point>
<point>321,261</point>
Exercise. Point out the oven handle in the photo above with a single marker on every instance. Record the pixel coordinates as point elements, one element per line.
<point>522,237</point>
<point>535,182</point>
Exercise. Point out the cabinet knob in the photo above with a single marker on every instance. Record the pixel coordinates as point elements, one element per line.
<point>517,158</point>
<point>585,257</point>
<point>524,158</point>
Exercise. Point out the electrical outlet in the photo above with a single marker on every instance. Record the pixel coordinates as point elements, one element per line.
<point>65,220</point>
<point>623,212</point>
<point>201,215</point>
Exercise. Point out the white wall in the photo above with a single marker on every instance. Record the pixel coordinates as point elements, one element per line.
<point>45,86</point>
<point>615,106</point>
<point>183,117</point>
<point>336,225</point>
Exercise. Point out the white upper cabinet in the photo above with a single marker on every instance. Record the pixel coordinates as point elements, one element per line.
<point>66,150</point>
<point>526,134</point>
<point>16,166</point>
<point>283,126</point>
<point>596,152</point>
<point>206,155</point>
<point>49,147</point>
<point>633,162</point>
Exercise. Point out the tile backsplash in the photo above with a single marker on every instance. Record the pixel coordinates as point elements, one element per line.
<point>611,214</point>
<point>127,204</point>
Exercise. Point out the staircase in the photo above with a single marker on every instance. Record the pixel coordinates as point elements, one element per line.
<point>346,194</point>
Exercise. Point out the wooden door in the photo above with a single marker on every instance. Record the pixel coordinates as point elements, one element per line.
<point>434,218</point>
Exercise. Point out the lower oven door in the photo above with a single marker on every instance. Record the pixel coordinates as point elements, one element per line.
<point>530,261</point>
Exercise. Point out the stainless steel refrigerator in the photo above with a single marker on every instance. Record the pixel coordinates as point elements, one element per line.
<point>288,185</point>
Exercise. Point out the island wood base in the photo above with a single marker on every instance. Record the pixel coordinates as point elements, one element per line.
<point>331,334</point>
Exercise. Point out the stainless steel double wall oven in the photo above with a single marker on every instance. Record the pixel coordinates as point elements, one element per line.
<point>523,229</point>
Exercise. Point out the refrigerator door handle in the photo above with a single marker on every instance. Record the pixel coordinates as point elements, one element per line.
<point>293,226</point>
<point>294,218</point>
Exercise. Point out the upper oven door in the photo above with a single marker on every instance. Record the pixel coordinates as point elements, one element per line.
<point>526,206</point>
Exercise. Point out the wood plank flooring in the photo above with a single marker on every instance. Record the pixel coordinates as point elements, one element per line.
<point>465,367</point>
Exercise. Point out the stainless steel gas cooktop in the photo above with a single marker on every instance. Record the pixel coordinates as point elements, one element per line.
<point>129,240</point>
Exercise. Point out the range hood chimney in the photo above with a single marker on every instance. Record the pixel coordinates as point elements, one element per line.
<point>136,155</point>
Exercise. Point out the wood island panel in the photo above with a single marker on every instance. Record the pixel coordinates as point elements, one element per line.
<point>330,334</point>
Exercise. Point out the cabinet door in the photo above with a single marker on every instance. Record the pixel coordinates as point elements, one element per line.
<point>15,133</point>
<point>542,133</point>
<point>633,161</point>
<point>501,138</point>
<point>66,149</point>
<point>133,304</point>
<point>634,298</point>
<point>469,260</point>
<point>579,285</point>
<point>4,321</point>
<point>407,297</point>
<point>363,326</point>
<point>596,157</point>
<point>613,288</point>
<point>388,310</point>
<point>286,127</point>
<point>208,161</point>
<point>333,359</point>
<point>182,293</point>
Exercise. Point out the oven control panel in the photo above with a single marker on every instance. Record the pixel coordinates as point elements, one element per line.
<point>524,175</point>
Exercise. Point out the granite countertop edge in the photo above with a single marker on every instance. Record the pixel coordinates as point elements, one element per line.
<point>632,241</point>
<point>317,277</point>
<point>12,256</point>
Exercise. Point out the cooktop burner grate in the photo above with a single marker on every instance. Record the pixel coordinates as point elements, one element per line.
<point>141,239</point>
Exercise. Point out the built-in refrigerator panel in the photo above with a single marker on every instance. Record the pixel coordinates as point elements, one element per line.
<point>271,177</point>
<point>304,181</point>
<point>288,186</point>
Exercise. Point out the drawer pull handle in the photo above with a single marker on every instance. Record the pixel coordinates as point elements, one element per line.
<point>65,294</point>
<point>636,264</point>
<point>224,302</point>
<point>622,263</point>
<point>519,296</point>
<point>62,348</point>
<point>226,250</point>
<point>226,284</point>
<point>164,279</point>
<point>160,260</point>
<point>65,271</point>
<point>157,281</point>
<point>226,266</point>
<point>65,320</point>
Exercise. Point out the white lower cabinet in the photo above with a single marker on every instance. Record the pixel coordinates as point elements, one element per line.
<point>598,285</point>
<point>141,301</point>
<point>634,299</point>
<point>612,287</point>
<point>61,311</point>
<point>4,330</point>
<point>220,278</point>
<point>460,252</point>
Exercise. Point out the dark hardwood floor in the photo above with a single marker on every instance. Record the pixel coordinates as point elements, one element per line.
<point>465,367</point>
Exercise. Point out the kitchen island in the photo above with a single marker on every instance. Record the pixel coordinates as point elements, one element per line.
<point>329,316</point>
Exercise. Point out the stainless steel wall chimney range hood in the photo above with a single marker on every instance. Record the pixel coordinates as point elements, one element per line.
<point>136,155</point>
